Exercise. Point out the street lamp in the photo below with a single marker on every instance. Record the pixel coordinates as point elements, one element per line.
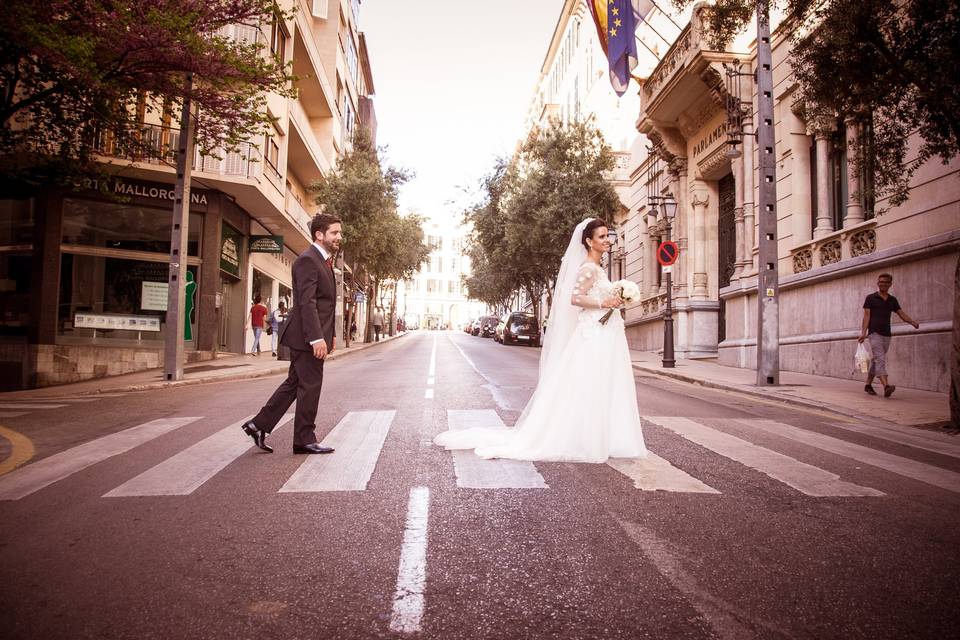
<point>669,210</point>
<point>612,237</point>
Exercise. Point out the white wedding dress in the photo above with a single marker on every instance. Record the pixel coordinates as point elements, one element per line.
<point>584,408</point>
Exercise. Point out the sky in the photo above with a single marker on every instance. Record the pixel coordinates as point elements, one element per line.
<point>453,81</point>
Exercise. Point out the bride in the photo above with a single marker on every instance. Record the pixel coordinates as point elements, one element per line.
<point>584,408</point>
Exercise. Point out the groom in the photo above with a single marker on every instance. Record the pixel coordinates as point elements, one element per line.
<point>309,333</point>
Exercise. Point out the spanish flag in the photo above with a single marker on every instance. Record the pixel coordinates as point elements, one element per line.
<point>616,22</point>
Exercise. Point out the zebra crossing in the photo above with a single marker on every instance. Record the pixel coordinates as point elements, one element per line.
<point>360,439</point>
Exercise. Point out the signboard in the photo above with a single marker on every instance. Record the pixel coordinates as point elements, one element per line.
<point>154,296</point>
<point>358,297</point>
<point>111,321</point>
<point>266,244</point>
<point>667,253</point>
<point>231,244</point>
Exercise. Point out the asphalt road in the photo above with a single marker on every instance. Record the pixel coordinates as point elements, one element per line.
<point>769,521</point>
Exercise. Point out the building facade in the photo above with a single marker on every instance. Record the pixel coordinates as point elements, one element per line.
<point>832,243</point>
<point>83,272</point>
<point>436,298</point>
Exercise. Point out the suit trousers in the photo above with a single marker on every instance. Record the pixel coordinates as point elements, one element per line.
<point>303,384</point>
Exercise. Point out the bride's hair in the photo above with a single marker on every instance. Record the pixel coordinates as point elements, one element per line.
<point>588,231</point>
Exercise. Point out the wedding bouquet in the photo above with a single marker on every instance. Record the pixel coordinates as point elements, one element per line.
<point>628,291</point>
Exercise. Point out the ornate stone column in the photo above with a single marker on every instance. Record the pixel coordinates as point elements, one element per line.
<point>749,227</point>
<point>801,196</point>
<point>854,213</point>
<point>678,187</point>
<point>649,256</point>
<point>824,220</point>
<point>699,200</point>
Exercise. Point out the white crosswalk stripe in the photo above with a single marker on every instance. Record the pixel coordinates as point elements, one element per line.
<point>476,473</point>
<point>938,477</point>
<point>803,477</point>
<point>653,473</point>
<point>30,405</point>
<point>357,439</point>
<point>185,472</point>
<point>38,475</point>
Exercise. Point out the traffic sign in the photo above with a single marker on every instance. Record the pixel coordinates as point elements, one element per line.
<point>667,253</point>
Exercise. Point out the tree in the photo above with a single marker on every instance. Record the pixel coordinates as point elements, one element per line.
<point>885,63</point>
<point>530,205</point>
<point>73,71</point>
<point>364,196</point>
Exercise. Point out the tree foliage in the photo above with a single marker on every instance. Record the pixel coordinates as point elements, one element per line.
<point>887,63</point>
<point>531,203</point>
<point>71,70</point>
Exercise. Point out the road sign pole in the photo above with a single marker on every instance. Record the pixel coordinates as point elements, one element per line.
<point>667,256</point>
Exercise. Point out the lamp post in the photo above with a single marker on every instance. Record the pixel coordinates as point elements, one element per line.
<point>669,209</point>
<point>612,237</point>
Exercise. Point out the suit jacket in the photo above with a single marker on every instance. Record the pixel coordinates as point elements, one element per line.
<point>313,315</point>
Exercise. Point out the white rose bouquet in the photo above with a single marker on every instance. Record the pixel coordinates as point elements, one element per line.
<point>625,289</point>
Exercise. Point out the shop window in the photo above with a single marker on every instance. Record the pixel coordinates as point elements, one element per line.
<point>116,300</point>
<point>15,270</point>
<point>16,222</point>
<point>128,227</point>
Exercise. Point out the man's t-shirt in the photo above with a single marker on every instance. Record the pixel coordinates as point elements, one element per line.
<point>257,314</point>
<point>880,311</point>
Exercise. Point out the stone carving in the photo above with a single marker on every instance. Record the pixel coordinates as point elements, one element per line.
<point>863,243</point>
<point>802,261</point>
<point>718,91</point>
<point>673,59</point>
<point>716,160</point>
<point>830,252</point>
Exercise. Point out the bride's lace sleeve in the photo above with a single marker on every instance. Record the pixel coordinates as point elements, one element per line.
<point>586,278</point>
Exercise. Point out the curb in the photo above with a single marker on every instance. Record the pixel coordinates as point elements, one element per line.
<point>751,391</point>
<point>248,375</point>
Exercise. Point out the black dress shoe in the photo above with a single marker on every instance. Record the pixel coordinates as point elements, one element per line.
<point>311,448</point>
<point>259,436</point>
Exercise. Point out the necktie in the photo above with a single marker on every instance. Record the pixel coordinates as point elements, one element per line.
<point>330,262</point>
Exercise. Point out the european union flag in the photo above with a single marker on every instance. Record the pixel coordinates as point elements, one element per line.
<point>621,44</point>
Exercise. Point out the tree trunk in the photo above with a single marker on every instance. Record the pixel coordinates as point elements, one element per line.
<point>955,360</point>
<point>393,311</point>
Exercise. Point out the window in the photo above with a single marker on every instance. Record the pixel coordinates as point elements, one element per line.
<point>278,39</point>
<point>453,264</point>
<point>352,58</point>
<point>113,225</point>
<point>451,287</point>
<point>272,150</point>
<point>319,9</point>
<point>439,264</point>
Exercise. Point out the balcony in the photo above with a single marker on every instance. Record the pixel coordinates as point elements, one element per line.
<point>306,158</point>
<point>297,213</point>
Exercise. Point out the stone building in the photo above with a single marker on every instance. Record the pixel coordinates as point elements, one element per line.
<point>832,243</point>
<point>83,274</point>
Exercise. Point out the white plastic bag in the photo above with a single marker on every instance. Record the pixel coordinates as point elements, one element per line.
<point>862,358</point>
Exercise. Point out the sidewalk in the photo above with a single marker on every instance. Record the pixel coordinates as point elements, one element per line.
<point>227,367</point>
<point>907,407</point>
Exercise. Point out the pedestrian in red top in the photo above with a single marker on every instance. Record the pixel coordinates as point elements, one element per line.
<point>258,312</point>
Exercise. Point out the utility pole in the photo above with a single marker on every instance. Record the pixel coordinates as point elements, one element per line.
<point>176,282</point>
<point>768,311</point>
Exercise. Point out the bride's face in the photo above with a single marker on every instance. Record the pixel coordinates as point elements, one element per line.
<point>599,240</point>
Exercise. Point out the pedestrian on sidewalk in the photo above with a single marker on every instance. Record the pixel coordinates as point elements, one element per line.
<point>277,316</point>
<point>258,312</point>
<point>310,332</point>
<point>377,322</point>
<point>877,309</point>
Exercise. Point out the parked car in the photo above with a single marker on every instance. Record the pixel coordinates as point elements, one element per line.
<point>498,332</point>
<point>468,327</point>
<point>488,326</point>
<point>520,328</point>
<point>475,327</point>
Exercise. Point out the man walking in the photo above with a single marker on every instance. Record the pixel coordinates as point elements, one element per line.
<point>257,313</point>
<point>877,309</point>
<point>309,332</point>
<point>377,323</point>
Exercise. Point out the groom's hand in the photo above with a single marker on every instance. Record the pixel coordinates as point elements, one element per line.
<point>333,345</point>
<point>320,349</point>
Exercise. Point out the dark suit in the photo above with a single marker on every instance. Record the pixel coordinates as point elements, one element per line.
<point>312,318</point>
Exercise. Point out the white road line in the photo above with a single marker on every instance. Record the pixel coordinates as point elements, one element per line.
<point>433,358</point>
<point>476,473</point>
<point>17,405</point>
<point>803,477</point>
<point>931,441</point>
<point>12,414</point>
<point>358,439</point>
<point>183,473</point>
<point>906,467</point>
<point>408,603</point>
<point>656,474</point>
<point>66,399</point>
<point>431,380</point>
<point>467,358</point>
<point>428,394</point>
<point>38,475</point>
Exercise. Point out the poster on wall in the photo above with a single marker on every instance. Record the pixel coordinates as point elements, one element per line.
<point>154,296</point>
<point>115,321</point>
<point>230,248</point>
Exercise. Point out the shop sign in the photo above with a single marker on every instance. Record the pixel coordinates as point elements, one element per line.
<point>230,246</point>
<point>359,298</point>
<point>111,321</point>
<point>154,296</point>
<point>266,244</point>
<point>149,190</point>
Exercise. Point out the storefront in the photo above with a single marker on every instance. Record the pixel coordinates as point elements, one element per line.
<point>83,281</point>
